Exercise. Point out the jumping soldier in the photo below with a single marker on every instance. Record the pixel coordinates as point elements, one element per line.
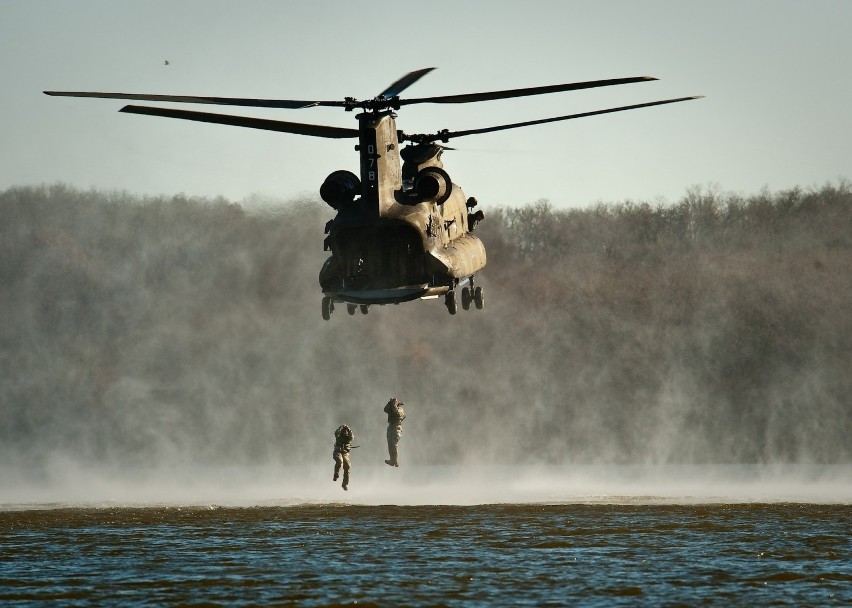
<point>395,417</point>
<point>343,438</point>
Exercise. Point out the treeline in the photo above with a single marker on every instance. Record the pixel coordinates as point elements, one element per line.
<point>181,330</point>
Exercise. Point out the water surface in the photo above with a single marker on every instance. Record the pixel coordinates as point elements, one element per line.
<point>427,537</point>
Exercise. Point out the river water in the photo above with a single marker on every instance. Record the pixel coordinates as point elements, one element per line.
<point>754,542</point>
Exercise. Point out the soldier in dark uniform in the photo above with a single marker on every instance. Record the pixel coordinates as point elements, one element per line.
<point>395,417</point>
<point>343,438</point>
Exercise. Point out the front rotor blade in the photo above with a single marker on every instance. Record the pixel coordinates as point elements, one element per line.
<point>403,83</point>
<point>446,135</point>
<point>554,88</point>
<point>222,101</point>
<point>244,121</point>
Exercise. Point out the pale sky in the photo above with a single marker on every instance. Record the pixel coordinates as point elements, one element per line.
<point>777,76</point>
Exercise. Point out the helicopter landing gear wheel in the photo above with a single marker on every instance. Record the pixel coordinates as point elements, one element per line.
<point>327,308</point>
<point>466,298</point>
<point>364,309</point>
<point>450,302</point>
<point>351,308</point>
<point>478,298</point>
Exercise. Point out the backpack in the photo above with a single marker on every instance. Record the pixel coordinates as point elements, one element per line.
<point>394,410</point>
<point>343,434</point>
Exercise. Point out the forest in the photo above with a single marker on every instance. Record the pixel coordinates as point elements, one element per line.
<point>180,330</point>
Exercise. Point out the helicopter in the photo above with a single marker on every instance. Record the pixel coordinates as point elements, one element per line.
<point>402,230</point>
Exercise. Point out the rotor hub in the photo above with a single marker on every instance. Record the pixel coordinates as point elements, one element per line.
<point>376,104</point>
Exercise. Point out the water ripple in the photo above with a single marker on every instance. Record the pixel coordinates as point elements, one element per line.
<point>519,555</point>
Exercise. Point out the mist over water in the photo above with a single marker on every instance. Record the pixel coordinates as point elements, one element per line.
<point>374,484</point>
<point>172,350</point>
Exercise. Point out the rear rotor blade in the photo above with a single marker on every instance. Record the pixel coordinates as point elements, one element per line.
<point>244,121</point>
<point>223,101</point>
<point>403,83</point>
<point>554,88</point>
<point>446,135</point>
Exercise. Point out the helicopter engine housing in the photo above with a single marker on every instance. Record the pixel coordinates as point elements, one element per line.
<point>340,188</point>
<point>433,185</point>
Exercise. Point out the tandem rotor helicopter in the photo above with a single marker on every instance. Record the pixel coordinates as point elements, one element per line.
<point>403,230</point>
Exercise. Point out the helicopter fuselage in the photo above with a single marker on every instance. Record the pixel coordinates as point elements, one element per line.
<point>408,234</point>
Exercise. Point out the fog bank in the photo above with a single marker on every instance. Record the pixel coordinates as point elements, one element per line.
<point>173,333</point>
<point>372,483</point>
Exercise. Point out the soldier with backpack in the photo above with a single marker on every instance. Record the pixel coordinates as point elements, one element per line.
<point>343,438</point>
<point>395,417</point>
